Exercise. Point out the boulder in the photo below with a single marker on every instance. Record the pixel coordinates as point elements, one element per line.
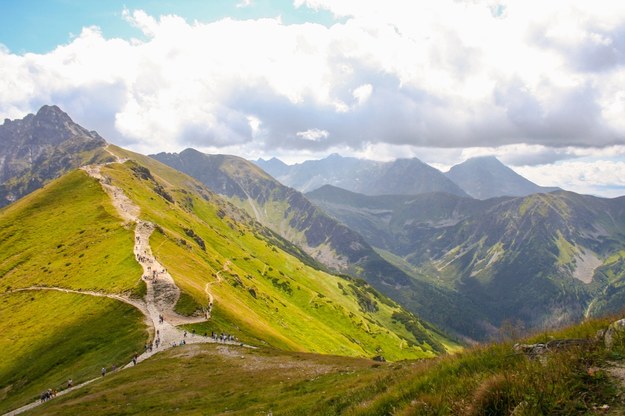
<point>615,330</point>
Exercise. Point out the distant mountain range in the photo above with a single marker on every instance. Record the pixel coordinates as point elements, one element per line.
<point>480,177</point>
<point>41,147</point>
<point>403,176</point>
<point>541,260</point>
<point>508,252</point>
<point>290,214</point>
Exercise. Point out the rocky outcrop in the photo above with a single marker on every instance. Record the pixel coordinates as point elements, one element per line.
<point>41,147</point>
<point>613,332</point>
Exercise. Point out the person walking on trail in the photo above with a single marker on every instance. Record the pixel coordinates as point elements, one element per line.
<point>70,383</point>
<point>103,371</point>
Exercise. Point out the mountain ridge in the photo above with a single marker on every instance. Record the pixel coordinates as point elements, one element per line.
<point>486,177</point>
<point>402,176</point>
<point>482,248</point>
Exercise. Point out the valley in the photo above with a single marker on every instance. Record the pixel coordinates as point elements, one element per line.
<point>228,292</point>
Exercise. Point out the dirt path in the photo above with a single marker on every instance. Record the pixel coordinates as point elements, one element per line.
<point>162,292</point>
<point>211,299</point>
<point>32,405</point>
<point>133,302</point>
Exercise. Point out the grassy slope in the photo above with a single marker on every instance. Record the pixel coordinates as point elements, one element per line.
<point>270,294</point>
<point>66,234</point>
<point>48,337</point>
<point>488,380</point>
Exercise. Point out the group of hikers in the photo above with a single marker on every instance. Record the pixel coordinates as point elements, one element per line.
<point>48,394</point>
<point>223,337</point>
<point>149,347</point>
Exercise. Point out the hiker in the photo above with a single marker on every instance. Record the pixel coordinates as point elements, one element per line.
<point>70,383</point>
<point>103,371</point>
<point>45,395</point>
<point>113,367</point>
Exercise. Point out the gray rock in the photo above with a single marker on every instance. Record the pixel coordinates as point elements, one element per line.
<point>615,330</point>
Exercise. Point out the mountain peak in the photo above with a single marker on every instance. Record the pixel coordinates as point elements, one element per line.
<point>486,177</point>
<point>41,147</point>
<point>52,112</point>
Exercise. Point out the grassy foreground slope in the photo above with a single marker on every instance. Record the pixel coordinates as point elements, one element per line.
<point>488,380</point>
<point>49,337</point>
<point>209,245</point>
<point>65,235</point>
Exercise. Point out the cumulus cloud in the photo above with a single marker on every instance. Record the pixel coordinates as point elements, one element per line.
<point>529,81</point>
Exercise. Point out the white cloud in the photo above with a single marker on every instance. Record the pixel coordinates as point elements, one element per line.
<point>314,135</point>
<point>532,82</point>
<point>602,178</point>
<point>362,93</point>
<point>244,3</point>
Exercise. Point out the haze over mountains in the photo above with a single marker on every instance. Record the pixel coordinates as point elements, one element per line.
<point>480,177</point>
<point>403,176</point>
<point>486,177</point>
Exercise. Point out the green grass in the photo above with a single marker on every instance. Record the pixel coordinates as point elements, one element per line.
<point>187,305</point>
<point>49,336</point>
<point>486,380</point>
<point>268,293</point>
<point>67,234</point>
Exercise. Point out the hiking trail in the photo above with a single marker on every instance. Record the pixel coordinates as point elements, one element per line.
<point>161,294</point>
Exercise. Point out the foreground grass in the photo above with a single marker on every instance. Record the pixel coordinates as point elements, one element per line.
<point>67,235</point>
<point>489,380</point>
<point>49,337</point>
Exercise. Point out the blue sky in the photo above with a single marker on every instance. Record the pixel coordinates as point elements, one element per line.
<point>41,25</point>
<point>540,85</point>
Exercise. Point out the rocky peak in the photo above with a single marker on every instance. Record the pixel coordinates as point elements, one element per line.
<point>51,126</point>
<point>52,113</point>
<point>39,148</point>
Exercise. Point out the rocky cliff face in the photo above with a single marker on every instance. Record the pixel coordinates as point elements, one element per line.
<point>41,147</point>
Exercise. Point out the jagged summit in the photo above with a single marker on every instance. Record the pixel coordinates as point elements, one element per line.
<point>41,147</point>
<point>49,126</point>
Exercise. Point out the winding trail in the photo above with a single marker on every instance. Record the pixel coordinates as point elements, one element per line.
<point>161,295</point>
<point>126,299</point>
<point>211,299</point>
